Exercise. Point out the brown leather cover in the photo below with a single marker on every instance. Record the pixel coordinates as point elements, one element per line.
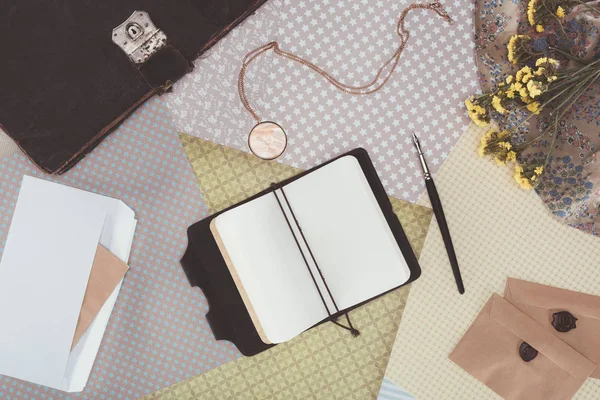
<point>64,85</point>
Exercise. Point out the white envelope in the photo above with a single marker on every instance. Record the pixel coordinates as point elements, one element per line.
<point>44,272</point>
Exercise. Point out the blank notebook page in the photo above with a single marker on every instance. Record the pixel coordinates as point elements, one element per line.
<point>346,231</point>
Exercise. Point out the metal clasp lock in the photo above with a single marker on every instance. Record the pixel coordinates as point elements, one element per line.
<point>134,31</point>
<point>138,37</point>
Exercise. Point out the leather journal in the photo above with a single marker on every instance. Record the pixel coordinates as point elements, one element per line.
<point>72,70</point>
<point>305,251</point>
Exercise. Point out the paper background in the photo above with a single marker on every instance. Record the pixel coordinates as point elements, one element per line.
<point>322,363</point>
<point>157,334</point>
<point>205,104</point>
<point>351,39</point>
<point>498,230</point>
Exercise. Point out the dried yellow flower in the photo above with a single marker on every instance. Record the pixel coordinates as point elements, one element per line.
<point>500,161</point>
<point>560,12</point>
<point>480,121</point>
<point>469,103</point>
<point>539,28</point>
<point>497,104</point>
<point>534,88</point>
<point>481,150</point>
<point>547,61</point>
<point>531,12</point>
<point>525,95</point>
<point>527,176</point>
<point>525,184</point>
<point>506,145</point>
<point>477,113</point>
<point>522,73</point>
<point>515,47</point>
<point>498,146</point>
<point>534,107</point>
<point>521,179</point>
<point>485,139</point>
<point>511,156</point>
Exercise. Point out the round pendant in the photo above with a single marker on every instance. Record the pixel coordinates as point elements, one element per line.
<point>267,140</point>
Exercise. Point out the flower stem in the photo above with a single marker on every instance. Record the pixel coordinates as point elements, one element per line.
<point>554,137</point>
<point>595,10</point>
<point>568,55</point>
<point>562,29</point>
<point>589,80</point>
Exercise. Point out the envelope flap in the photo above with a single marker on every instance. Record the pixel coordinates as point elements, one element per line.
<point>552,298</point>
<point>543,341</point>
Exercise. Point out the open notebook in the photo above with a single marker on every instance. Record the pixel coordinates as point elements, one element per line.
<point>350,249</point>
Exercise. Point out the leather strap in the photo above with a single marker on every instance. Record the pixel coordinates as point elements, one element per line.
<point>164,68</point>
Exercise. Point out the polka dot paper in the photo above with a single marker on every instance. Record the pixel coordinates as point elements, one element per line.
<point>157,334</point>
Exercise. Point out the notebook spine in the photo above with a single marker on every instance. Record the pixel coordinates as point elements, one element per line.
<point>227,315</point>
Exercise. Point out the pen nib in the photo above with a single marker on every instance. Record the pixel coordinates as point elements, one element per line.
<point>421,156</point>
<point>416,141</point>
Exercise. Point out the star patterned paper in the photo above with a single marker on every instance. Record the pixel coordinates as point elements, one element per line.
<point>157,334</point>
<point>350,39</point>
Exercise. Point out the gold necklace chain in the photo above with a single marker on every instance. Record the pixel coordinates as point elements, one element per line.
<point>371,87</point>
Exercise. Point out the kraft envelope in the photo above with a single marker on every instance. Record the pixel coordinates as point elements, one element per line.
<point>490,351</point>
<point>542,302</point>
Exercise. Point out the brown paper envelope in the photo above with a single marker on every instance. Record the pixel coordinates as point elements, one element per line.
<point>540,302</point>
<point>489,351</point>
<point>107,271</point>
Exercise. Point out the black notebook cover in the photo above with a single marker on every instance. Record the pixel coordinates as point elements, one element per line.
<point>205,267</point>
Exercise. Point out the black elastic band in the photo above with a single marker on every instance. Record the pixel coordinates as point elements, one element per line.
<point>355,332</point>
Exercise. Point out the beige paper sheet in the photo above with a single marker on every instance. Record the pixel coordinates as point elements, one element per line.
<point>107,271</point>
<point>498,231</point>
